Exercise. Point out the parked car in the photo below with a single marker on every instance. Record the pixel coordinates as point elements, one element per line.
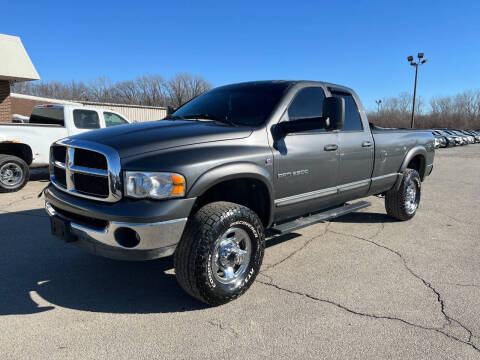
<point>470,137</point>
<point>205,183</point>
<point>476,135</point>
<point>458,138</point>
<point>440,140</point>
<point>450,139</point>
<point>465,140</point>
<point>27,145</point>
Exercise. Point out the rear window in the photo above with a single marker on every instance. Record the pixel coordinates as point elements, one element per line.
<point>48,116</point>
<point>86,119</point>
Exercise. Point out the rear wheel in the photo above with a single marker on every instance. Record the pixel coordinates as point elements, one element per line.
<point>403,203</point>
<point>220,253</point>
<point>14,173</point>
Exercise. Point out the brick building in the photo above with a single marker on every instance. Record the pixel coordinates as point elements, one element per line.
<point>15,66</point>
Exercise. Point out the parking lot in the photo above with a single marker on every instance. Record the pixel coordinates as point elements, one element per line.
<point>361,286</point>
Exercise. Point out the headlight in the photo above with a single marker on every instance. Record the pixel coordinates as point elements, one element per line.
<point>155,185</point>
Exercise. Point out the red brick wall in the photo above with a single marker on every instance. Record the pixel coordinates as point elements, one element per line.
<point>5,102</point>
<point>24,106</point>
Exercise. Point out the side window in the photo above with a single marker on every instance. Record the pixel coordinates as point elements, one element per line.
<point>353,121</point>
<point>307,103</point>
<point>86,119</point>
<point>112,119</point>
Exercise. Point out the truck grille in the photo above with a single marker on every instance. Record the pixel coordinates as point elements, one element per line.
<point>86,169</point>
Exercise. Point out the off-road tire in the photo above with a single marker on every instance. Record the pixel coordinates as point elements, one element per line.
<point>5,159</point>
<point>395,200</point>
<point>193,255</point>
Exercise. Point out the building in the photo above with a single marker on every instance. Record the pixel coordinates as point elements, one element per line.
<point>15,66</point>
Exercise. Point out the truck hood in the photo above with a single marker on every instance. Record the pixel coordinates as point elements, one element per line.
<point>134,139</point>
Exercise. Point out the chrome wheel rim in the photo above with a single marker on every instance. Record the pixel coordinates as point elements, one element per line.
<point>11,174</point>
<point>411,201</point>
<point>231,255</point>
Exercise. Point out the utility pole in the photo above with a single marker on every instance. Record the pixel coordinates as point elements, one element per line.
<point>416,64</point>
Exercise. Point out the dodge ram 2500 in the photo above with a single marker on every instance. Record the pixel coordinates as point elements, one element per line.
<point>205,183</point>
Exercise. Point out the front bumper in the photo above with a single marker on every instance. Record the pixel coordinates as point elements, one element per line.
<point>117,236</point>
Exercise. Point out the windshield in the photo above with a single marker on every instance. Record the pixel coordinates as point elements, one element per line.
<point>240,104</point>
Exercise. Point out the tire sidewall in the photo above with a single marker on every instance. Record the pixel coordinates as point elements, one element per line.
<point>6,159</point>
<point>247,221</point>
<point>412,177</point>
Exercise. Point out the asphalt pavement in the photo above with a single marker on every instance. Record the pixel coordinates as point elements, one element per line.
<point>360,287</point>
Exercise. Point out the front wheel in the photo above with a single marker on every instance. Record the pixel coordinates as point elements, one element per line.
<point>14,173</point>
<point>402,204</point>
<point>220,253</point>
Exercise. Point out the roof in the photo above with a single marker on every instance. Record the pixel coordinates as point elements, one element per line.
<point>15,64</point>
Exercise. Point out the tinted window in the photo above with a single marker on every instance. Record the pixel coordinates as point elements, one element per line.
<point>247,104</point>
<point>307,103</point>
<point>353,121</point>
<point>47,115</point>
<point>86,119</point>
<point>112,119</point>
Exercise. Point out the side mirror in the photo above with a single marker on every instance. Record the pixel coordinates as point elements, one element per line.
<point>301,125</point>
<point>334,109</point>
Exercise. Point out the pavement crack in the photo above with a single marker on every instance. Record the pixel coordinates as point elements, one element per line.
<point>296,251</point>
<point>448,319</point>
<point>372,316</point>
<point>223,328</point>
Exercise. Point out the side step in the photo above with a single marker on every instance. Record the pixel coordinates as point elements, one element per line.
<point>299,223</point>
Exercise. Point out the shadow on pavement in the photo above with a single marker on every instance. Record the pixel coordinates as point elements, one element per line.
<point>40,174</point>
<point>364,217</point>
<point>32,260</point>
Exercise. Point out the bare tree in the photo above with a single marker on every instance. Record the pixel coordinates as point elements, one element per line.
<point>151,90</point>
<point>183,87</point>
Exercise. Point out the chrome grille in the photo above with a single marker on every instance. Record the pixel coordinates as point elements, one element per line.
<point>86,169</point>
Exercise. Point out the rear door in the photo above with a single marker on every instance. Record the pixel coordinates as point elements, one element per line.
<point>356,151</point>
<point>305,163</point>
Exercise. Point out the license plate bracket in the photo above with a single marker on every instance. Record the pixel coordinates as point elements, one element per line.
<point>61,227</point>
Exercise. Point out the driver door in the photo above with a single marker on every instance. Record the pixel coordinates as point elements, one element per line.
<point>305,163</point>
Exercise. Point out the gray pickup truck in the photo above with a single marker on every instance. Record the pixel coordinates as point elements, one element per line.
<point>205,183</point>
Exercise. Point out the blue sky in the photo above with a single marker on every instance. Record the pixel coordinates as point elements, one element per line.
<point>361,44</point>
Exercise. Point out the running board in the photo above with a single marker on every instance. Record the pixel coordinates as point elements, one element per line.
<point>299,223</point>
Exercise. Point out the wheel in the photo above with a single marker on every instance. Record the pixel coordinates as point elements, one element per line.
<point>220,253</point>
<point>403,204</point>
<point>14,173</point>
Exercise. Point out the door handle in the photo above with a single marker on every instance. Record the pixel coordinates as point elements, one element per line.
<point>330,147</point>
<point>366,144</point>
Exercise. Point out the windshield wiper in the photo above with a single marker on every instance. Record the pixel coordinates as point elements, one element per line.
<point>174,117</point>
<point>206,116</point>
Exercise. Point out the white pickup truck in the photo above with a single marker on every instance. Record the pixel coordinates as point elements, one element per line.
<point>28,145</point>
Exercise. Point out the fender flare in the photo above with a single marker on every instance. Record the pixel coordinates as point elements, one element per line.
<point>416,150</point>
<point>232,171</point>
<point>26,152</point>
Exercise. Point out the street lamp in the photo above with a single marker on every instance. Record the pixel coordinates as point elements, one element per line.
<point>420,61</point>
<point>379,101</point>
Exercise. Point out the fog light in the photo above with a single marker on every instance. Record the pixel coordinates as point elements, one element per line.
<point>127,237</point>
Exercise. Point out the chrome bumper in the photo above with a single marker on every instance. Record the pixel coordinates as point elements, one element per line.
<point>124,240</point>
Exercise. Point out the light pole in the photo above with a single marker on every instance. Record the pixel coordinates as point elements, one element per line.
<point>379,101</point>
<point>420,61</point>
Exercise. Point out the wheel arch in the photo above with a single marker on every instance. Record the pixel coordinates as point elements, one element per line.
<point>23,151</point>
<point>252,183</point>
<point>414,159</point>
